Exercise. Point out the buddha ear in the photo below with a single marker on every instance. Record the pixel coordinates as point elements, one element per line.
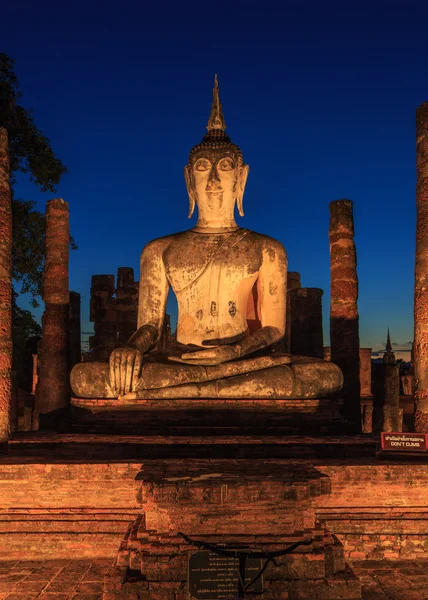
<point>242,180</point>
<point>190,189</point>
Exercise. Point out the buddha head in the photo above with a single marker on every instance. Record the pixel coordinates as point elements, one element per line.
<point>216,174</point>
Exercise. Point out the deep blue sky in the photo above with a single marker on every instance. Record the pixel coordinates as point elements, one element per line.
<point>320,96</point>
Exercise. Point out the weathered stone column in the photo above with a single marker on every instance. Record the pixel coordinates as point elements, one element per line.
<point>75,350</point>
<point>392,413</point>
<point>52,391</point>
<point>368,418</point>
<point>103,315</point>
<point>420,346</point>
<point>344,332</point>
<point>293,282</point>
<point>306,335</point>
<point>366,371</point>
<point>5,292</point>
<point>126,304</point>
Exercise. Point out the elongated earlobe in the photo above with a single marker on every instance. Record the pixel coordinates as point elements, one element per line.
<point>189,186</point>
<point>243,175</point>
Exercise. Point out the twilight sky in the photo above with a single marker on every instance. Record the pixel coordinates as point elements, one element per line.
<point>320,96</point>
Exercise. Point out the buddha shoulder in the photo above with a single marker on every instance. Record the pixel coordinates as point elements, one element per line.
<point>270,248</point>
<point>157,247</point>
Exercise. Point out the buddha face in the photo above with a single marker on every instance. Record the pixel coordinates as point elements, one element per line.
<point>216,180</point>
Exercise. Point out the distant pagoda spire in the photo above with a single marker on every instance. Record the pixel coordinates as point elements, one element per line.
<point>216,119</point>
<point>388,347</point>
<point>389,356</point>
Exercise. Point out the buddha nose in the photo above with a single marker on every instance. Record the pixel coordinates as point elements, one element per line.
<point>213,183</point>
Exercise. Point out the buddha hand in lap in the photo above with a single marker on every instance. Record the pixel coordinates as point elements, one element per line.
<point>231,286</point>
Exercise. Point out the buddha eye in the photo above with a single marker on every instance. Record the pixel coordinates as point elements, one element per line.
<point>202,164</point>
<point>226,164</point>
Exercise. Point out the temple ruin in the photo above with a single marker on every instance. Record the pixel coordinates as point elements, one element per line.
<point>220,456</point>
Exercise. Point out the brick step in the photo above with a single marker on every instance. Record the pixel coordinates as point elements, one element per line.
<point>40,535</point>
<point>210,416</point>
<point>344,584</point>
<point>59,545</point>
<point>402,522</point>
<point>188,443</point>
<point>149,552</point>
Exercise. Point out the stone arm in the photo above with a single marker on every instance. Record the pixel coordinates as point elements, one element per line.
<point>272,294</point>
<point>153,295</point>
<point>125,362</point>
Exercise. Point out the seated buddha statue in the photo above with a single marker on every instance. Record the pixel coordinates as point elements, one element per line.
<point>231,288</point>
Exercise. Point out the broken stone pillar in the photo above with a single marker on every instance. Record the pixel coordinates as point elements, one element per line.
<point>126,304</point>
<point>293,282</point>
<point>392,413</point>
<point>366,371</point>
<point>74,326</point>
<point>420,344</point>
<point>103,316</point>
<point>368,418</point>
<point>5,292</point>
<point>407,381</point>
<point>35,373</point>
<point>344,333</point>
<point>306,335</point>
<point>53,391</point>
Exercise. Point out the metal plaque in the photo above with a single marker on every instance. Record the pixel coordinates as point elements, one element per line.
<point>214,577</point>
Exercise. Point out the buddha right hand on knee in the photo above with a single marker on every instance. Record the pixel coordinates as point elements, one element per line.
<point>125,365</point>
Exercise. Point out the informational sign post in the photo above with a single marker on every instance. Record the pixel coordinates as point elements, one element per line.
<point>214,577</point>
<point>404,442</point>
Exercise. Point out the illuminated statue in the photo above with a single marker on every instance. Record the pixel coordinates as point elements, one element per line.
<point>230,285</point>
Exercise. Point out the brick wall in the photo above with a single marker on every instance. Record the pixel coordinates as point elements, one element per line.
<point>65,510</point>
<point>378,510</point>
<point>76,510</point>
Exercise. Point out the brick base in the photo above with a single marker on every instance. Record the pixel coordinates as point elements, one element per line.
<point>211,416</point>
<point>51,498</point>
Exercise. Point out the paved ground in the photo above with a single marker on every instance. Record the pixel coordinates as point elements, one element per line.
<point>52,579</point>
<point>82,579</point>
<point>393,580</point>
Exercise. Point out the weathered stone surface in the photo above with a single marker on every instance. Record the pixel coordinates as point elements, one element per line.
<point>420,347</point>
<point>366,371</point>
<point>306,334</point>
<point>74,328</point>
<point>344,333</point>
<point>260,377</point>
<point>392,413</point>
<point>408,383</point>
<point>392,418</point>
<point>5,291</point>
<point>126,304</point>
<point>103,314</point>
<point>165,339</point>
<point>53,390</point>
<point>293,282</point>
<point>269,510</point>
<point>367,418</point>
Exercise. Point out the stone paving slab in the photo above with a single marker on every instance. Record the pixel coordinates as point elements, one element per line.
<point>53,579</point>
<point>83,579</point>
<point>393,580</point>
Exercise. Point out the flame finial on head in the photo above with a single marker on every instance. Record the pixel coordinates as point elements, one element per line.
<point>216,137</point>
<point>216,119</point>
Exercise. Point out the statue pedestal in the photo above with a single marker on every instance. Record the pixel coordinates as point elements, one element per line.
<point>251,505</point>
<point>264,416</point>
